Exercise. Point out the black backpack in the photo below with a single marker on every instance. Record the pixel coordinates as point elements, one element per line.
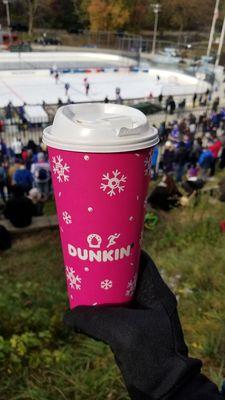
<point>5,238</point>
<point>42,174</point>
<point>2,174</point>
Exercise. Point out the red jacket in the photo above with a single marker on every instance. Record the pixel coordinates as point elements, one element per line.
<point>215,148</point>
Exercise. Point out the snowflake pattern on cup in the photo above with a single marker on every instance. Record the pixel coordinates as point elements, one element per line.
<point>113,184</point>
<point>60,169</point>
<point>73,279</point>
<point>131,286</point>
<point>90,265</point>
<point>67,217</point>
<point>106,284</point>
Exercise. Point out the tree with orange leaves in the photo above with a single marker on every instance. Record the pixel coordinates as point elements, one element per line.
<point>108,14</point>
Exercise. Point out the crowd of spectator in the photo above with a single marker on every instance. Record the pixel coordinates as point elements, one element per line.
<point>25,181</point>
<point>190,151</point>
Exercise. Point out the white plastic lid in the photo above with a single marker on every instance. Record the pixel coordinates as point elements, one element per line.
<point>100,128</point>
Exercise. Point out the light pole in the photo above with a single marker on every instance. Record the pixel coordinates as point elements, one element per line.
<point>6,2</point>
<point>156,9</point>
<point>215,16</point>
<point>220,44</point>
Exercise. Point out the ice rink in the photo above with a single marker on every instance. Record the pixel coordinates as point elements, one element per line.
<point>36,86</point>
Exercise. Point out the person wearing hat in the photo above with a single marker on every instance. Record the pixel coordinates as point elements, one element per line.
<point>38,201</point>
<point>168,157</point>
<point>41,174</point>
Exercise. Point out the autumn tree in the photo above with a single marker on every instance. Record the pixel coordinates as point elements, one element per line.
<point>182,15</point>
<point>140,16</point>
<point>108,14</point>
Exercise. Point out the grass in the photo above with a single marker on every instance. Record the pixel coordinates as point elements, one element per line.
<point>41,360</point>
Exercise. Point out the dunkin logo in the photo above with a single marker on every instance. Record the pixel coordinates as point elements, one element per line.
<point>94,253</point>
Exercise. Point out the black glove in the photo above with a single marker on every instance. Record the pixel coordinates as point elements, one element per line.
<point>146,339</point>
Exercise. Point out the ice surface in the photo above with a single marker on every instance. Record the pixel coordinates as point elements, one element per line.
<point>34,86</point>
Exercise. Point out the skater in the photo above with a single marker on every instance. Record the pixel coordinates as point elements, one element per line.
<point>87,86</point>
<point>150,97</point>
<point>67,87</point>
<point>160,98</point>
<point>56,77</point>
<point>118,97</point>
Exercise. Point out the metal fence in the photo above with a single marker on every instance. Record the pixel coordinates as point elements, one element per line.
<point>16,128</point>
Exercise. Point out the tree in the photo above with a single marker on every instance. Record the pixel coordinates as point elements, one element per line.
<point>178,14</point>
<point>108,14</point>
<point>32,6</point>
<point>140,17</point>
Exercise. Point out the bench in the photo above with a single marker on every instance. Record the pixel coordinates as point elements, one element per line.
<point>38,223</point>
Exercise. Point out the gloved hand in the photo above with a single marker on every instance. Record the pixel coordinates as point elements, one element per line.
<point>146,338</point>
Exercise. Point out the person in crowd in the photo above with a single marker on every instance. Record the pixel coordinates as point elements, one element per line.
<point>181,159</point>
<point>182,104</point>
<point>9,111</point>
<point>31,145</point>
<point>23,177</point>
<point>13,167</point>
<point>193,183</point>
<point>106,100</point>
<point>3,150</point>
<point>216,103</point>
<point>41,174</point>
<point>194,99</point>
<point>205,161</point>
<point>222,157</point>
<point>170,105</point>
<point>38,201</point>
<point>195,151</point>
<point>19,209</point>
<point>17,147</point>
<point>3,180</point>
<point>174,135</point>
<point>168,157</point>
<point>215,149</point>
<point>165,195</point>
<point>154,162</point>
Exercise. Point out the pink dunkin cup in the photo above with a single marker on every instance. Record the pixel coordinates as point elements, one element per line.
<point>100,156</point>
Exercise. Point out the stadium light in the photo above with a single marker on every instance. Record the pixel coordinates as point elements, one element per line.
<point>6,2</point>
<point>215,17</point>
<point>156,9</point>
<point>220,44</point>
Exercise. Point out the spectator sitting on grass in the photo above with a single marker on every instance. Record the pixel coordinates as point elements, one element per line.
<point>19,209</point>
<point>166,195</point>
<point>38,201</point>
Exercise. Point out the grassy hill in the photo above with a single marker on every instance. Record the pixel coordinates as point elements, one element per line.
<point>41,360</point>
